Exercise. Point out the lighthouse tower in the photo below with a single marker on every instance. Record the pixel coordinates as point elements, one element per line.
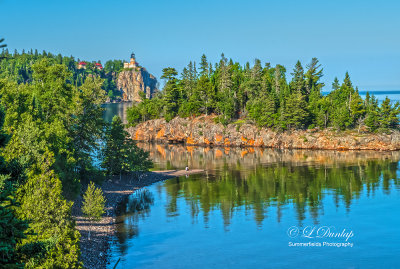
<point>132,63</point>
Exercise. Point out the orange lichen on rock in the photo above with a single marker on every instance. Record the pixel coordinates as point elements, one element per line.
<point>160,133</point>
<point>190,140</point>
<point>139,135</point>
<point>218,137</point>
<point>207,132</point>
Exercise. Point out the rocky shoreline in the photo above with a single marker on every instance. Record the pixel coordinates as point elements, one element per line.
<point>95,252</point>
<point>203,131</point>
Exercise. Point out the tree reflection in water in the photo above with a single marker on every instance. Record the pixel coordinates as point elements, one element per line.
<point>253,179</point>
<point>136,207</point>
<point>278,185</point>
<point>261,186</point>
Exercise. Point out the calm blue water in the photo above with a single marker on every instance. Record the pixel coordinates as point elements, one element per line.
<point>238,213</point>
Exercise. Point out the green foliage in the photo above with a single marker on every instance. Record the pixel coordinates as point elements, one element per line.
<point>262,94</point>
<point>263,111</point>
<point>294,114</point>
<point>93,203</point>
<point>18,67</point>
<point>120,154</point>
<point>51,223</point>
<point>388,114</point>
<point>53,125</point>
<point>51,115</point>
<point>12,230</point>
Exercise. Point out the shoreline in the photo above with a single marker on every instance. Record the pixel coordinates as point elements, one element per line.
<point>204,131</point>
<point>95,252</point>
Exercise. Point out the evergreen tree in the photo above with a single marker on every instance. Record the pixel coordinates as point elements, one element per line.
<point>120,154</point>
<point>335,84</point>
<point>12,229</point>
<point>93,206</point>
<point>298,81</point>
<point>295,113</point>
<point>388,114</point>
<point>51,223</point>
<point>171,93</point>
<point>88,125</point>
<point>263,111</point>
<point>372,112</point>
<point>204,68</point>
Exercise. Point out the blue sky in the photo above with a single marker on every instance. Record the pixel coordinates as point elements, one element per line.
<point>362,37</point>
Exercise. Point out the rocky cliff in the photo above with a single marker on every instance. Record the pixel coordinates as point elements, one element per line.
<point>135,80</point>
<point>203,131</point>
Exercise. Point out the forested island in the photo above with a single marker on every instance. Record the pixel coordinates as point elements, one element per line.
<point>226,104</point>
<point>262,95</point>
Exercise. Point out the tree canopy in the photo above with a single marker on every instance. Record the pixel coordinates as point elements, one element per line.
<point>265,96</point>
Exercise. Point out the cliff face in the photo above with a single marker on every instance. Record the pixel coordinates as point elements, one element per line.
<point>136,80</point>
<point>203,131</point>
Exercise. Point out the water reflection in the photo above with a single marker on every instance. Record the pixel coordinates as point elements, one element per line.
<point>231,189</point>
<point>253,179</point>
<point>130,212</point>
<point>119,109</point>
<point>178,156</point>
<point>237,213</point>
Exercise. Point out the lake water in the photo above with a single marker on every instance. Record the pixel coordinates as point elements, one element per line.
<point>119,109</point>
<point>251,205</point>
<point>262,208</point>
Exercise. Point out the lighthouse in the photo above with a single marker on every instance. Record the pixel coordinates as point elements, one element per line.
<point>132,63</point>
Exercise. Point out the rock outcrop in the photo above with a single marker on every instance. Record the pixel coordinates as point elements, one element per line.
<point>204,131</point>
<point>135,80</point>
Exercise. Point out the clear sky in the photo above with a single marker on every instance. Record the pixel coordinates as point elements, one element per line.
<point>362,37</point>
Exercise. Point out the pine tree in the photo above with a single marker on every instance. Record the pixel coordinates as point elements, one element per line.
<point>371,118</point>
<point>12,229</point>
<point>51,222</point>
<point>171,92</point>
<point>93,206</point>
<point>262,110</point>
<point>295,113</point>
<point>335,84</point>
<point>120,154</point>
<point>313,76</point>
<point>204,68</point>
<point>112,154</point>
<point>388,114</point>
<point>298,81</point>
